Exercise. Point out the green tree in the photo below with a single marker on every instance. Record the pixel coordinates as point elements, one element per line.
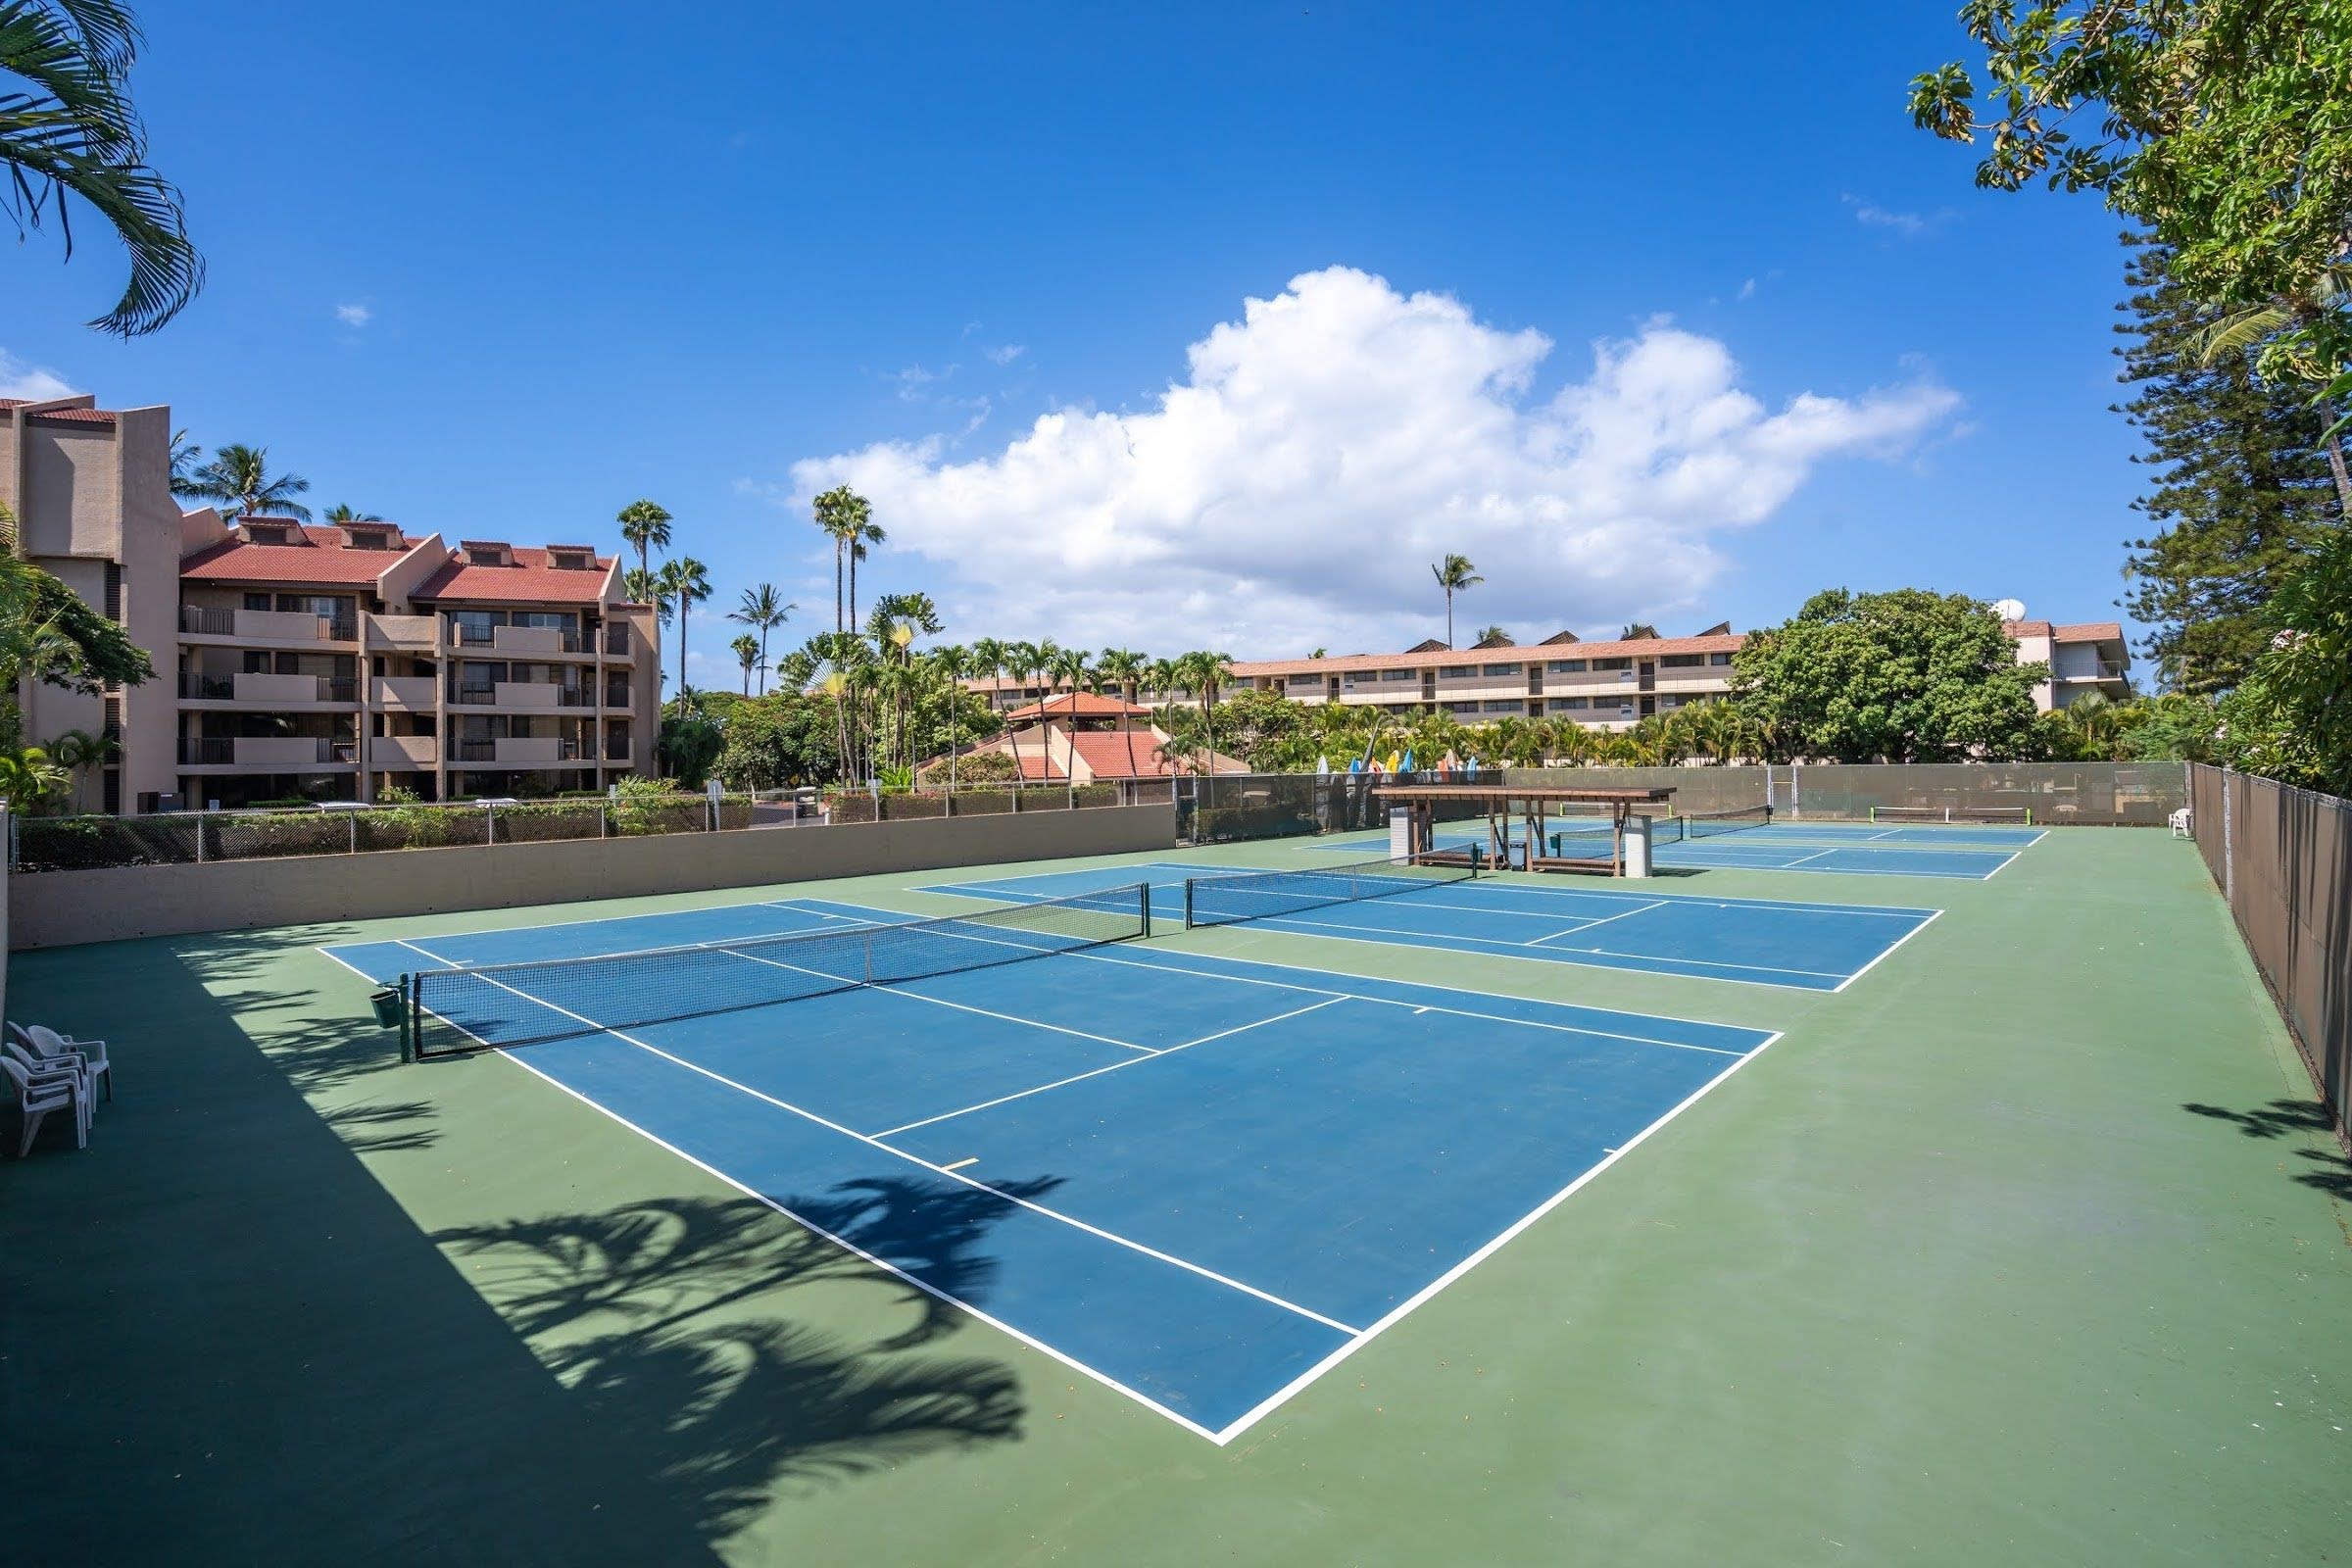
<point>239,477</point>
<point>67,129</point>
<point>646,525</point>
<point>684,582</point>
<point>746,649</point>
<point>341,513</point>
<point>186,456</point>
<point>1907,676</point>
<point>763,609</point>
<point>781,739</point>
<point>1454,573</point>
<point>842,515</point>
<point>1637,631</point>
<point>2219,125</point>
<point>2291,718</point>
<point>689,740</point>
<point>2237,486</point>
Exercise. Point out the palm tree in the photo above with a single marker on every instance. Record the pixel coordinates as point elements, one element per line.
<point>341,511</point>
<point>77,750</point>
<point>68,127</point>
<point>646,525</point>
<point>1454,573</point>
<point>842,515</point>
<point>686,583</point>
<point>1026,662</point>
<point>1637,631</point>
<point>1492,634</point>
<point>645,588</point>
<point>916,609</point>
<point>1123,667</point>
<point>763,609</point>
<point>1206,672</point>
<point>867,532</point>
<point>746,648</point>
<point>186,456</point>
<point>240,476</point>
<point>950,665</point>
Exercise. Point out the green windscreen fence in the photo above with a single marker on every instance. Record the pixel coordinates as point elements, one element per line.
<point>2282,858</point>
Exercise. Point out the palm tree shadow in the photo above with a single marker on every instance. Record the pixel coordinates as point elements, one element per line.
<point>671,1314</point>
<point>2331,1172</point>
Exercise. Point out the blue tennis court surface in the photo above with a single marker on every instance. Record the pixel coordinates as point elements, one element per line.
<point>1200,1180</point>
<point>1966,852</point>
<point>1811,947</point>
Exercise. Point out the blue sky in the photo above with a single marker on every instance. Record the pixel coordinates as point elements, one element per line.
<point>1655,312</point>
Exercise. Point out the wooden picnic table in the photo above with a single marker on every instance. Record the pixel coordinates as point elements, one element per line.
<point>1534,801</point>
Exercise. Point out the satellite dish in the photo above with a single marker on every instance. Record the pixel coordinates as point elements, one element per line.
<point>2009,609</point>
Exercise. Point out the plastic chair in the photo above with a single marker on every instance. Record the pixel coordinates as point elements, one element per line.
<point>36,1097</point>
<point>2180,821</point>
<point>48,1043</point>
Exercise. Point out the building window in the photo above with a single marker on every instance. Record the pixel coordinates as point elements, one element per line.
<point>1612,664</point>
<point>1569,705</point>
<point>1461,708</point>
<point>1500,669</point>
<point>1452,672</point>
<point>1719,659</point>
<point>1565,667</point>
<point>1506,705</point>
<point>1681,661</point>
<point>256,601</point>
<point>1395,675</point>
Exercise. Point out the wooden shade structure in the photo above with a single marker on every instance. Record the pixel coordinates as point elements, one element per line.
<point>1532,802</point>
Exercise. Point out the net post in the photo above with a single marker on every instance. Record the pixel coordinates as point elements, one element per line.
<point>1143,892</point>
<point>1874,816</point>
<point>1188,903</point>
<point>408,1043</point>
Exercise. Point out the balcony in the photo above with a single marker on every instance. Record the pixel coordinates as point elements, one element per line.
<point>2102,670</point>
<point>516,639</point>
<point>275,753</point>
<point>412,632</point>
<point>617,639</point>
<point>394,752</point>
<point>266,625</point>
<point>616,693</point>
<point>257,689</point>
<point>412,692</point>
<point>616,749</point>
<point>516,750</point>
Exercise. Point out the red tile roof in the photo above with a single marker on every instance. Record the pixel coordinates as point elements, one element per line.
<point>530,580</point>
<point>75,415</point>
<point>1104,753</point>
<point>322,557</point>
<point>1357,662</point>
<point>2090,631</point>
<point>1078,705</point>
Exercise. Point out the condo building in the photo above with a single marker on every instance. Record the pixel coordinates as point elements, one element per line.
<point>302,661</point>
<point>1602,684</point>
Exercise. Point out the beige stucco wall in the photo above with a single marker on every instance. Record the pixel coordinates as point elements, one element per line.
<point>58,909</point>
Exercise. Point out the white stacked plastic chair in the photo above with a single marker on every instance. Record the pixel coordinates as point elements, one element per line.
<point>2181,823</point>
<point>47,1043</point>
<point>36,1096</point>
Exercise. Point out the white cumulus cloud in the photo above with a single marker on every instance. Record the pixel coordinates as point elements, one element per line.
<point>354,314</point>
<point>35,383</point>
<point>1318,453</point>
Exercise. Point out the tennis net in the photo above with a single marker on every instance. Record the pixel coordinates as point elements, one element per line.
<point>1262,895</point>
<point>2019,815</point>
<point>1706,824</point>
<point>453,1011</point>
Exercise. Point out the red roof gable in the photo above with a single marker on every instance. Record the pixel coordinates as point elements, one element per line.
<point>322,557</point>
<point>530,579</point>
<point>1079,705</point>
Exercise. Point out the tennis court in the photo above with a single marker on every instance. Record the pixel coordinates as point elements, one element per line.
<point>1203,1181</point>
<point>1762,842</point>
<point>1809,947</point>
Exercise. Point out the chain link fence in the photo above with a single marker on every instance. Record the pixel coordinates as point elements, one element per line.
<point>2282,858</point>
<point>95,843</point>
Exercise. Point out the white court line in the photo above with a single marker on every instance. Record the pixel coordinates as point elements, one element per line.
<point>593,919</point>
<point>979,1186</point>
<point>1267,1406</point>
<point>1063,1358</point>
<point>1580,930</point>
<point>330,953</point>
<point>1504,950</point>
<point>1939,876</point>
<point>891,987</point>
<point>1115,1066</point>
<point>1882,957</point>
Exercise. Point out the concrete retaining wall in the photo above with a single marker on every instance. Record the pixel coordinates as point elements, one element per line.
<point>58,909</point>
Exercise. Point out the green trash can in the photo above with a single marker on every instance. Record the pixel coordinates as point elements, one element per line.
<point>387,1004</point>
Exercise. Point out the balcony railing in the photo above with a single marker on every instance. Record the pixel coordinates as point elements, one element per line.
<point>616,695</point>
<point>206,751</point>
<point>617,638</point>
<point>268,625</point>
<point>480,695</point>
<point>617,751</point>
<point>517,639</point>
<point>277,752</point>
<point>260,688</point>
